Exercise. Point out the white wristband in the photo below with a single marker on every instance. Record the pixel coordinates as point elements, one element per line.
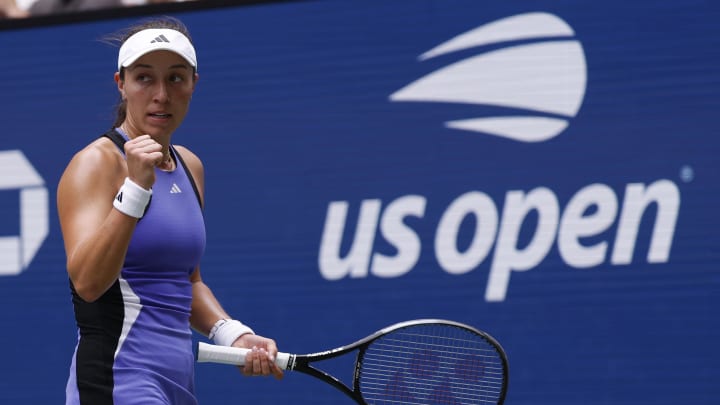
<point>132,199</point>
<point>226,331</point>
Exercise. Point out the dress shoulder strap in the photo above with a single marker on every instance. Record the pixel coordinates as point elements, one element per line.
<point>117,139</point>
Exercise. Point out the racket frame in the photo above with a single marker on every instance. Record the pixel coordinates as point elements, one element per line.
<point>302,362</point>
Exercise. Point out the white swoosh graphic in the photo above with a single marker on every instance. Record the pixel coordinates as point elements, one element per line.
<point>523,129</point>
<point>517,27</point>
<point>547,76</point>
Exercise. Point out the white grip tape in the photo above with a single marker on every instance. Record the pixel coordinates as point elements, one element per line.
<point>207,353</point>
<point>132,199</point>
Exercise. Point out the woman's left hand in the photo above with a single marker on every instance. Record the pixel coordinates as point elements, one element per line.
<point>260,361</point>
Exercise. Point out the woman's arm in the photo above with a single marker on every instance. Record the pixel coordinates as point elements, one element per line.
<point>96,236</point>
<point>207,311</point>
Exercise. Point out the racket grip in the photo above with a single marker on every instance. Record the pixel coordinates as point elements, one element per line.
<point>207,353</point>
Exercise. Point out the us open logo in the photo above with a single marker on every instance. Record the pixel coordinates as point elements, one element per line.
<point>543,80</point>
<point>17,173</point>
<point>536,78</point>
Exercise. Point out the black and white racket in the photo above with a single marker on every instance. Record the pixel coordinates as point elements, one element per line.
<point>426,361</point>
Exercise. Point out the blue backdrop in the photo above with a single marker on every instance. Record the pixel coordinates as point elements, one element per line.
<point>545,171</point>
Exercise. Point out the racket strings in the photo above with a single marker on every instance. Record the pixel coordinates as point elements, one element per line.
<point>392,358</point>
<point>442,374</point>
<point>431,364</point>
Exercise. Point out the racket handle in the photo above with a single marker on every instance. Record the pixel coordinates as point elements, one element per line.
<point>207,353</point>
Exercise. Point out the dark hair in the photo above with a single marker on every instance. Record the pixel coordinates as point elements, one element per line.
<point>119,38</point>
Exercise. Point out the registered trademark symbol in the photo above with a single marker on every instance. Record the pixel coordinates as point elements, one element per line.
<point>687,174</point>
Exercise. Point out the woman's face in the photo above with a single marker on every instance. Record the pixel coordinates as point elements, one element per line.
<point>157,89</point>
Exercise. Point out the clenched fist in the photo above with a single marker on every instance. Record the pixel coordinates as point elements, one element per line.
<point>143,154</point>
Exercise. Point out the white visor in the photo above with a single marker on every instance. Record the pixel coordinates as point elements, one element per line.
<point>156,39</point>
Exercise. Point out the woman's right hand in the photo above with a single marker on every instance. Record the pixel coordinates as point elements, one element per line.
<point>143,154</point>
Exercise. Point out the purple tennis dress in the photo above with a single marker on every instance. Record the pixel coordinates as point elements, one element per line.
<point>134,343</point>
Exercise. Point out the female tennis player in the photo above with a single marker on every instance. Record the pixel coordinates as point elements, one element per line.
<point>130,208</point>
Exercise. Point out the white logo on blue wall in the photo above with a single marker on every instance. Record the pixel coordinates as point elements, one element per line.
<point>590,213</point>
<point>544,80</point>
<point>16,252</point>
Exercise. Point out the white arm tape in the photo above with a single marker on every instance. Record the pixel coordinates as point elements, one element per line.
<point>132,199</point>
<point>226,331</point>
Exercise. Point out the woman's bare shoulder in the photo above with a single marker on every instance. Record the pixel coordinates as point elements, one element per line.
<point>99,159</point>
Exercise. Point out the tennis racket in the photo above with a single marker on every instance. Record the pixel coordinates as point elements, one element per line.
<point>425,361</point>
